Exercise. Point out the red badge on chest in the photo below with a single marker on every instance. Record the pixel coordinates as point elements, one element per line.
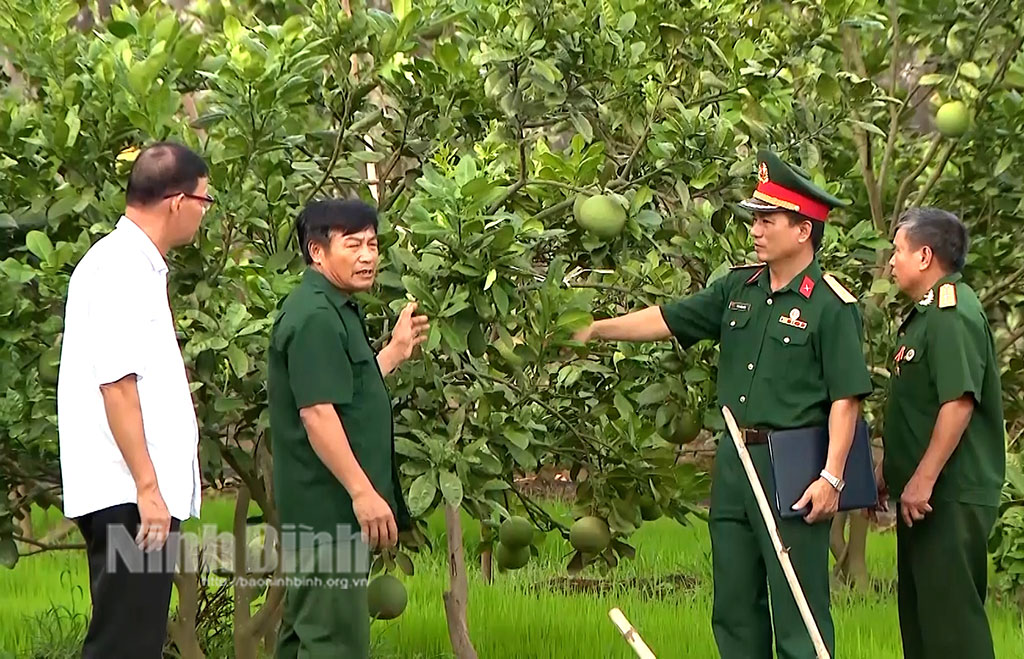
<point>807,287</point>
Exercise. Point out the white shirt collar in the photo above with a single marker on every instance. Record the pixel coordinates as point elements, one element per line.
<point>143,242</point>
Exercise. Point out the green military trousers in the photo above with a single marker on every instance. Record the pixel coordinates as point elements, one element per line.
<point>942,564</point>
<point>326,613</point>
<point>748,575</point>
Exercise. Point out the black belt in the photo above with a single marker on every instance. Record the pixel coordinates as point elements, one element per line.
<point>754,436</point>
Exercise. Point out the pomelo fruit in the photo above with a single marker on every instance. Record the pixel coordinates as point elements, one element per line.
<point>649,509</point>
<point>590,535</point>
<point>387,597</point>
<point>952,119</point>
<point>602,216</point>
<point>516,532</point>
<point>512,558</point>
<point>687,427</point>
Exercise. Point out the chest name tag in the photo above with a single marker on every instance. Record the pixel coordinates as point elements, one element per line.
<point>793,322</point>
<point>739,306</point>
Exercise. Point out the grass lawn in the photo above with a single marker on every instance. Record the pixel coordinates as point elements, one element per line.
<point>45,598</point>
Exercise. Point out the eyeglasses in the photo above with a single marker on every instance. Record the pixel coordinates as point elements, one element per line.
<point>206,199</point>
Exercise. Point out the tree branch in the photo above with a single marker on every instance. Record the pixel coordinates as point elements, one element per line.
<point>904,190</point>
<point>851,53</point>
<point>1010,340</point>
<point>998,290</point>
<point>894,113</point>
<point>43,546</point>
<point>520,182</point>
<point>936,174</point>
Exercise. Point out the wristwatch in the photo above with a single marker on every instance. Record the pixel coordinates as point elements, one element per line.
<point>837,483</point>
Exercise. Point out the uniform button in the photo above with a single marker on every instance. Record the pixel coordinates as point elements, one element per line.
<point>750,367</point>
<point>785,340</point>
<point>770,302</point>
<point>743,399</point>
<point>732,324</point>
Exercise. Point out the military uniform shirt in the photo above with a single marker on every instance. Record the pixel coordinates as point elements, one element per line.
<point>319,353</point>
<point>945,351</point>
<point>785,356</point>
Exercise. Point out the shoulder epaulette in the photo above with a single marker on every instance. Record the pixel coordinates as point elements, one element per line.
<point>747,266</point>
<point>840,290</point>
<point>947,296</point>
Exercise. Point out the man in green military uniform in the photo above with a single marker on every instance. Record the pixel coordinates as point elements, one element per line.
<point>331,428</point>
<point>790,357</point>
<point>944,443</point>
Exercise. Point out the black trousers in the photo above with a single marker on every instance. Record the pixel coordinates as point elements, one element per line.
<point>130,588</point>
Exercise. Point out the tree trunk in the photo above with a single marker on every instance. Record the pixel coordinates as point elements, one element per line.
<point>457,595</point>
<point>856,552</point>
<point>246,645</point>
<point>850,553</point>
<point>182,629</point>
<point>486,561</point>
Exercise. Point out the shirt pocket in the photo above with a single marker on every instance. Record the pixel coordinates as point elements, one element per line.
<point>735,320</point>
<point>792,354</point>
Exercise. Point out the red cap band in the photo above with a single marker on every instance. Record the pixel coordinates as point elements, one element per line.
<point>774,193</point>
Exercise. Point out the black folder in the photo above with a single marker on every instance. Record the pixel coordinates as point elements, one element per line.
<point>799,455</point>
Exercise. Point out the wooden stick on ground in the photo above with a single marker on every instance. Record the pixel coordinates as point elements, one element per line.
<point>781,552</point>
<point>630,634</point>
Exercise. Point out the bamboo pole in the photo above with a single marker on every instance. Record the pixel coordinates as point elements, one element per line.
<point>773,532</point>
<point>630,634</point>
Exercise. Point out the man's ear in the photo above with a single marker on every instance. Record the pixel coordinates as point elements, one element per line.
<point>806,229</point>
<point>927,256</point>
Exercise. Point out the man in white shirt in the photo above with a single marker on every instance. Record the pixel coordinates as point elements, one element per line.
<point>126,420</point>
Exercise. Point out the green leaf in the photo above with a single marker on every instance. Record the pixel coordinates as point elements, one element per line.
<point>623,406</point>
<point>491,277</point>
<point>520,438</point>
<point>400,8</point>
<point>655,393</point>
<point>451,488</point>
<point>421,494</point>
<point>501,300</point>
<point>367,156</point>
<point>39,244</point>
<point>121,29</point>
<point>405,564</point>
<point>871,128</point>
<point>1004,163</point>
<point>574,320</point>
<point>239,360</point>
<point>970,70</point>
<point>627,22</point>
<point>74,124</point>
<point>744,49</point>
<point>232,29</point>
<point>881,287</point>
<point>932,79</point>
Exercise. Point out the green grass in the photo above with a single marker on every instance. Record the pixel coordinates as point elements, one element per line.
<point>520,615</point>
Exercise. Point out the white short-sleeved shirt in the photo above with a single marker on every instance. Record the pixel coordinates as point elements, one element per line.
<point>118,322</point>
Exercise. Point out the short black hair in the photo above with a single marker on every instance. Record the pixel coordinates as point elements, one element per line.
<point>817,228</point>
<point>939,230</point>
<point>163,169</point>
<point>321,218</point>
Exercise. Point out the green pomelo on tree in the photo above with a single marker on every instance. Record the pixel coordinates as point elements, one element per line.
<point>512,558</point>
<point>952,119</point>
<point>590,535</point>
<point>686,428</point>
<point>516,532</point>
<point>387,597</point>
<point>602,216</point>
